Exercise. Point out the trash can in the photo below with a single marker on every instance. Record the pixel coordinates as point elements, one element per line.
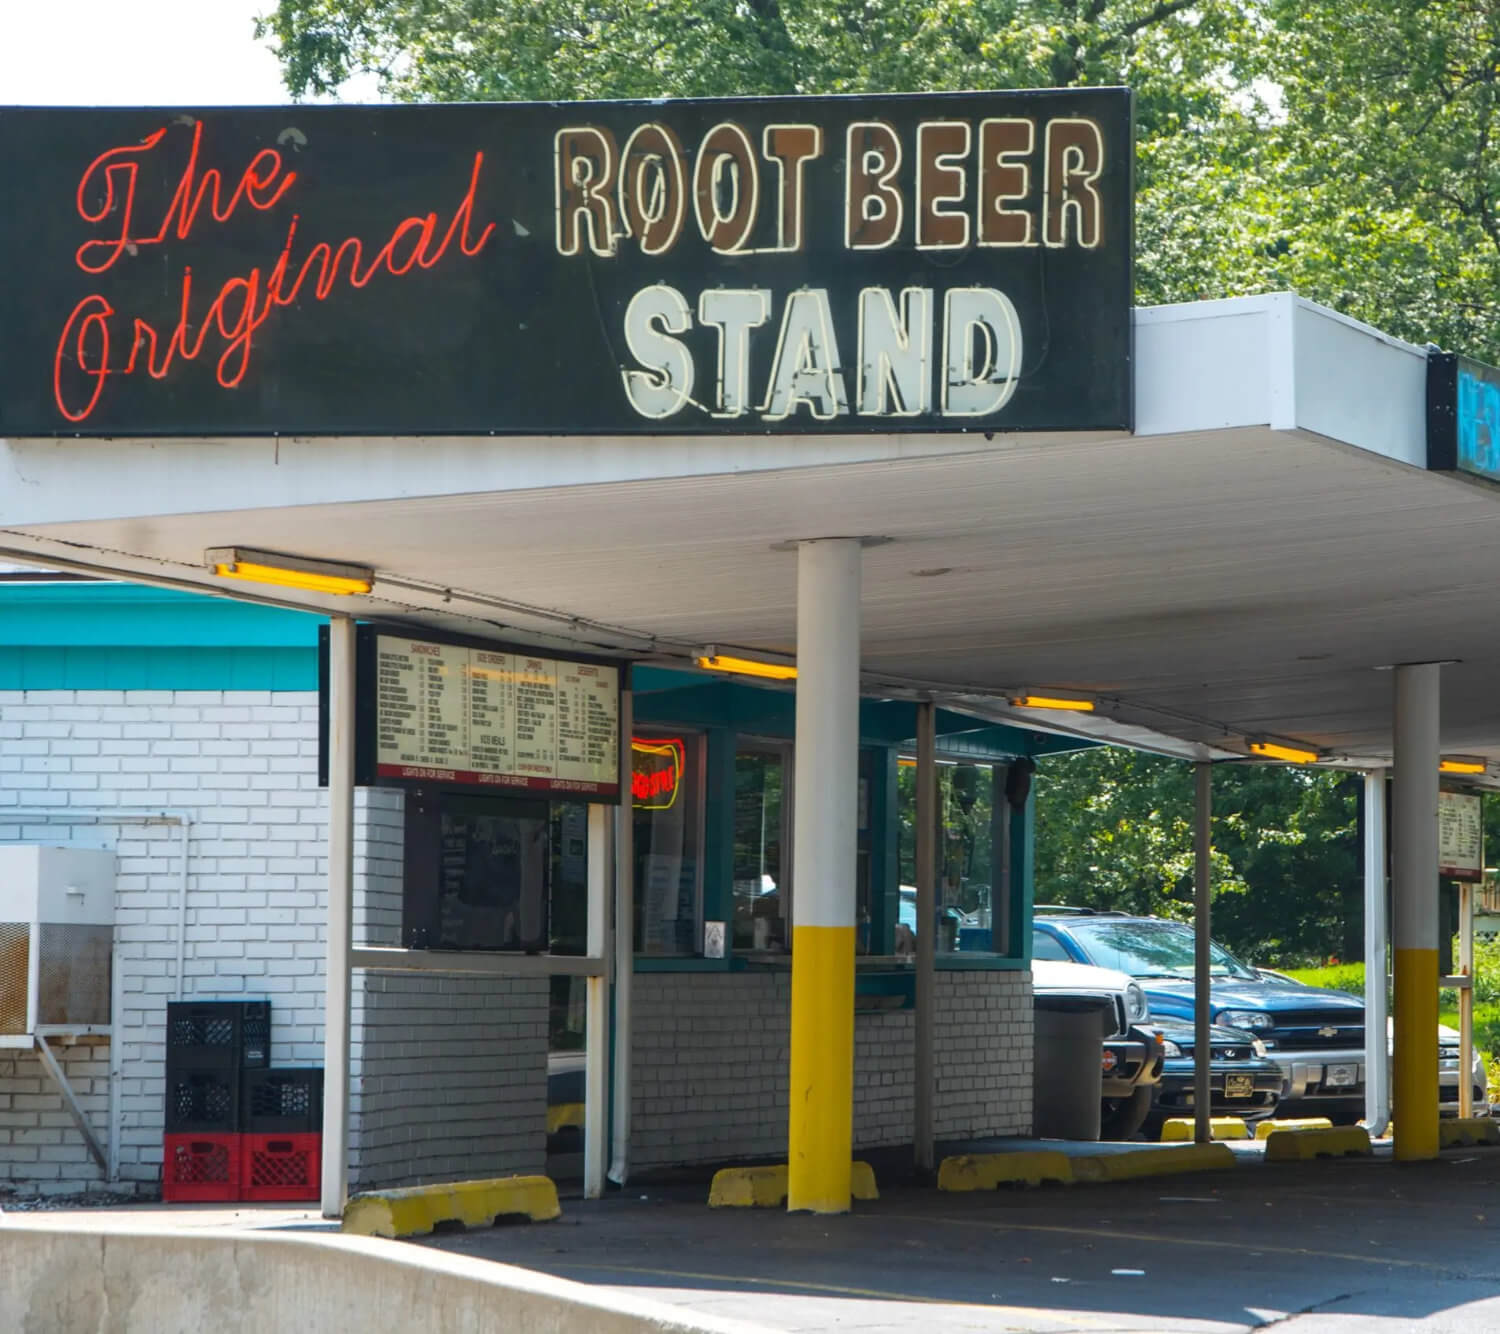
<point>1067,1069</point>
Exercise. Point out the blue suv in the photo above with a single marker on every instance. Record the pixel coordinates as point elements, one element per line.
<point>1317,1037</point>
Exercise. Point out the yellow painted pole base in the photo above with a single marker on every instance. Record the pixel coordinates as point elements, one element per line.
<point>766,1187</point>
<point>413,1211</point>
<point>1414,1060</point>
<point>1181,1128</point>
<point>820,1124</point>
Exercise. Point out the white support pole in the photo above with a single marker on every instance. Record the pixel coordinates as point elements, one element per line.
<point>624,960</point>
<point>1377,966</point>
<point>820,1127</point>
<point>1203,772</point>
<point>924,1149</point>
<point>1466,999</point>
<point>336,1006</point>
<point>1414,849</point>
<point>596,1012</point>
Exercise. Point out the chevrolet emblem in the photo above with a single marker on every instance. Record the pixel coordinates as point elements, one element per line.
<point>1327,1032</point>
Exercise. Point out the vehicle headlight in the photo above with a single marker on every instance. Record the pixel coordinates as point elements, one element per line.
<point>1258,1047</point>
<point>1136,1008</point>
<point>1255,1020</point>
<point>1170,1048</point>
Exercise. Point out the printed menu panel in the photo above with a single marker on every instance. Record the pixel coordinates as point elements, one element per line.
<point>464,715</point>
<point>1460,836</point>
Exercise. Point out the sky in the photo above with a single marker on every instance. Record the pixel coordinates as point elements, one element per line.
<point>139,53</point>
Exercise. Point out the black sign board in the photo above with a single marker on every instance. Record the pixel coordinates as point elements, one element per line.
<point>1463,416</point>
<point>444,710</point>
<point>932,262</point>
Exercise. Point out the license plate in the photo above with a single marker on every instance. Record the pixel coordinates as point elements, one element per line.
<point>1239,1086</point>
<point>1341,1076</point>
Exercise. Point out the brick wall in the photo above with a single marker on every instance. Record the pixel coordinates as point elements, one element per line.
<point>448,1078</point>
<point>710,1065</point>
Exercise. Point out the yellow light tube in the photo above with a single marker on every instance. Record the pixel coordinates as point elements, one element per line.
<point>773,671</point>
<point>1049,702</point>
<point>1272,751</point>
<point>1462,767</point>
<point>282,578</point>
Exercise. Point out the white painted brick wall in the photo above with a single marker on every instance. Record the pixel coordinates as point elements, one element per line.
<point>711,1053</point>
<point>448,1078</point>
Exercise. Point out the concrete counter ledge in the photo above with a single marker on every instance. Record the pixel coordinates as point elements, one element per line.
<point>64,1276</point>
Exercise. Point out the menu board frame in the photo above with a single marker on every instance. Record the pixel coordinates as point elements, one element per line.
<point>369,772</point>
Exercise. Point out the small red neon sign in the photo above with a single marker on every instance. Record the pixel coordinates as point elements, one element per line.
<point>656,772</point>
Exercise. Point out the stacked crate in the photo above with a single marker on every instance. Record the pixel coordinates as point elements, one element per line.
<point>210,1044</point>
<point>281,1149</point>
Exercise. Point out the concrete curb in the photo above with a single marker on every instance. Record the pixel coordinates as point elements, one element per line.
<point>986,1171</point>
<point>1472,1132</point>
<point>1300,1146</point>
<point>1154,1162</point>
<point>1267,1128</point>
<point>766,1188</point>
<point>1181,1129</point>
<point>414,1211</point>
<point>64,1276</point>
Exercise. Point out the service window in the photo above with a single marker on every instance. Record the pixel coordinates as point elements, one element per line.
<point>762,846</point>
<point>667,800</point>
<point>477,871</point>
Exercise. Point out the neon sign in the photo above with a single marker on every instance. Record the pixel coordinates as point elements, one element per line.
<point>88,349</point>
<point>656,772</point>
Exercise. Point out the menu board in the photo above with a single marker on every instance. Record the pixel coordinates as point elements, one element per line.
<point>1460,836</point>
<point>447,713</point>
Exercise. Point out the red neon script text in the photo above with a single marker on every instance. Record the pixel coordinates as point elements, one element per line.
<point>93,342</point>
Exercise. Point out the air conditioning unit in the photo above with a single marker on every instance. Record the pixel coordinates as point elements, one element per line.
<point>57,924</point>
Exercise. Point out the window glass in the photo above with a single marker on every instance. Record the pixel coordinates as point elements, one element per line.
<point>667,798</point>
<point>762,857</point>
<point>965,802</point>
<point>1044,946</point>
<point>1151,949</point>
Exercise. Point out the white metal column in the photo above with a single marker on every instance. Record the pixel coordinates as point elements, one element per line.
<point>340,914</point>
<point>1414,848</point>
<point>1377,966</point>
<point>624,957</point>
<point>1203,774</point>
<point>596,1015</point>
<point>924,1149</point>
<point>824,858</point>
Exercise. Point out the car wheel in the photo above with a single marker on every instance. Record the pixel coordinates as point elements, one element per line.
<point>1123,1117</point>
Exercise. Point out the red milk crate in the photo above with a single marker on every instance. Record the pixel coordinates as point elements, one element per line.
<point>200,1167</point>
<point>281,1167</point>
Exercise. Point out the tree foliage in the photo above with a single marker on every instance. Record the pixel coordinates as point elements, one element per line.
<point>1345,149</point>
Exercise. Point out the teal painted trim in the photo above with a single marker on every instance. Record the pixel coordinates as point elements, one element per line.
<point>885,854</point>
<point>646,963</point>
<point>966,961</point>
<point>1023,874</point>
<point>127,615</point>
<point>718,831</point>
<point>139,668</point>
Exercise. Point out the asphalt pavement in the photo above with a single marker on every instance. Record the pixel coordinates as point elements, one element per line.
<point>1322,1248</point>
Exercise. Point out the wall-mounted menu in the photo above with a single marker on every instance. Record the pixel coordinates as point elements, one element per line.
<point>447,713</point>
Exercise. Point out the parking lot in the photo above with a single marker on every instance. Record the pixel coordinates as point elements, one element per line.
<point>1324,1248</point>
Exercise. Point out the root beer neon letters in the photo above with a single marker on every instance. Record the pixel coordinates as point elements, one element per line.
<point>979,371</point>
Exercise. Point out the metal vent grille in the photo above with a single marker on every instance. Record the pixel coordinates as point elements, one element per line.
<point>15,969</point>
<point>74,974</point>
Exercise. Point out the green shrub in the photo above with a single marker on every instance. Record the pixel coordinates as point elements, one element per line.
<point>1348,977</point>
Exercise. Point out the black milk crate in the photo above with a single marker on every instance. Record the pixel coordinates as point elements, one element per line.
<point>282,1100</point>
<point>210,1035</point>
<point>203,1101</point>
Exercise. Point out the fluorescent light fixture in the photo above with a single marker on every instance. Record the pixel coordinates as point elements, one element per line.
<point>271,567</point>
<point>1051,702</point>
<point>1461,764</point>
<point>773,671</point>
<point>1294,754</point>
